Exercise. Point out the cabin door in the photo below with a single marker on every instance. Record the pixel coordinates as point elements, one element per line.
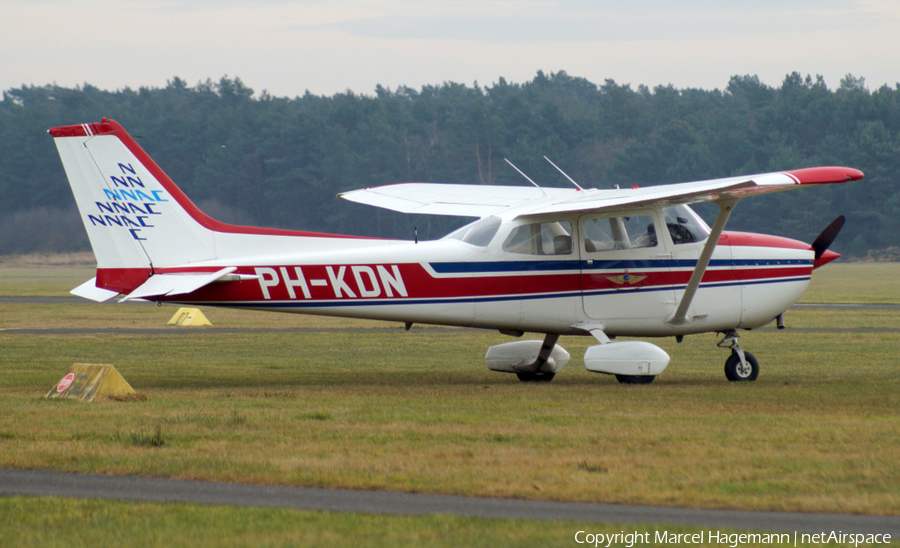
<point>626,271</point>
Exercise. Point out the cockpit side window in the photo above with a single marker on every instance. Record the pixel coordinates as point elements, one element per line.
<point>684,225</point>
<point>551,238</point>
<point>625,232</point>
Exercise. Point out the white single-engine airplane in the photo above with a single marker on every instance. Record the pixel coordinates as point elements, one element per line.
<point>606,263</point>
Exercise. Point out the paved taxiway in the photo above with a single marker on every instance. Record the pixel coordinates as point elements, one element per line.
<point>64,484</point>
<point>78,300</point>
<point>170,331</point>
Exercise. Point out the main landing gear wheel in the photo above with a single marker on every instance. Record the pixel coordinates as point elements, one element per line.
<point>635,379</point>
<point>737,371</point>
<point>535,376</point>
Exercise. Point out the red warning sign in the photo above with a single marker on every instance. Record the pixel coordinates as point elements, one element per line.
<point>65,382</point>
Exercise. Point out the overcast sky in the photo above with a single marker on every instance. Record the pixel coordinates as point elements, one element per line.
<point>290,46</point>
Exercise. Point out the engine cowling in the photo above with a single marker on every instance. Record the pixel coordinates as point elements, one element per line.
<point>520,356</point>
<point>626,358</point>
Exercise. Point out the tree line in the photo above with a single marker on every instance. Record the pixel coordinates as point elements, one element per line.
<point>258,159</point>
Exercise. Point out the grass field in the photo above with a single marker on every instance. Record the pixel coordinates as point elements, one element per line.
<point>418,411</point>
<point>49,522</point>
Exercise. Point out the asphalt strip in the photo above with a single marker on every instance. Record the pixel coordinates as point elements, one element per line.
<point>78,300</point>
<point>216,330</point>
<point>134,488</point>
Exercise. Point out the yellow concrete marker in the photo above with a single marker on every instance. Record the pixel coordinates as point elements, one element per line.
<point>88,380</point>
<point>189,316</point>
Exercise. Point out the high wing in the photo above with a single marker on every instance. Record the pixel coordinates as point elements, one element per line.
<point>451,199</point>
<point>480,201</point>
<point>484,200</point>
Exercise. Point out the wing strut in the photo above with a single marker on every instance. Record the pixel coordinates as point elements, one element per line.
<point>679,317</point>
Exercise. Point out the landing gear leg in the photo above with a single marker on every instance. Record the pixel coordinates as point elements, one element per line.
<point>740,366</point>
<point>535,374</point>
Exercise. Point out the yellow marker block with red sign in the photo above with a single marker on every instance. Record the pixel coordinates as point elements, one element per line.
<point>86,381</point>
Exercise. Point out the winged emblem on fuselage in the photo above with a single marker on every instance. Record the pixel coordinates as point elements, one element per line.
<point>626,279</point>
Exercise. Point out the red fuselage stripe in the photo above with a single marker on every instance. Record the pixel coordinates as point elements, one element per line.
<point>413,281</point>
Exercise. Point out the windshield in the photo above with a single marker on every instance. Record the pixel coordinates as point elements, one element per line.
<point>480,233</point>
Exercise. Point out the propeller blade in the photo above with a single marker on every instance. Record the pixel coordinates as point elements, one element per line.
<point>827,236</point>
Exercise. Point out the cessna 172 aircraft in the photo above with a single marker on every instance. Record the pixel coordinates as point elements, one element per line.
<point>634,262</point>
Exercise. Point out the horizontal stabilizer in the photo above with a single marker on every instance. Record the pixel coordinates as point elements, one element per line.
<point>160,285</point>
<point>89,290</point>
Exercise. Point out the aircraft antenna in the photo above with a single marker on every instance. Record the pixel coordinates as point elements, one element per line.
<point>523,175</point>
<point>571,180</point>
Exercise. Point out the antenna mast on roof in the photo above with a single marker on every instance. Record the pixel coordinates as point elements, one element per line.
<point>523,175</point>
<point>571,180</point>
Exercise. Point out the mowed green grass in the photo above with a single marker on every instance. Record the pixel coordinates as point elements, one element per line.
<point>861,283</point>
<point>418,412</point>
<point>50,522</point>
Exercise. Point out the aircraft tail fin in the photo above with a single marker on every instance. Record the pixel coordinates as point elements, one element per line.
<point>140,223</point>
<point>135,216</point>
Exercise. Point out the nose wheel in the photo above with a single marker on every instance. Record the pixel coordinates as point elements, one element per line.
<point>740,366</point>
<point>737,370</point>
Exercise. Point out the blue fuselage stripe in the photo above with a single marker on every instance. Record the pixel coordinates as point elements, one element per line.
<point>485,299</point>
<point>511,267</point>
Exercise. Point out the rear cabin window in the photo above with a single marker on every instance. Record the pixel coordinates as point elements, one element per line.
<point>552,238</point>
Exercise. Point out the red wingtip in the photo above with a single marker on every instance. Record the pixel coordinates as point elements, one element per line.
<point>826,258</point>
<point>825,175</point>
